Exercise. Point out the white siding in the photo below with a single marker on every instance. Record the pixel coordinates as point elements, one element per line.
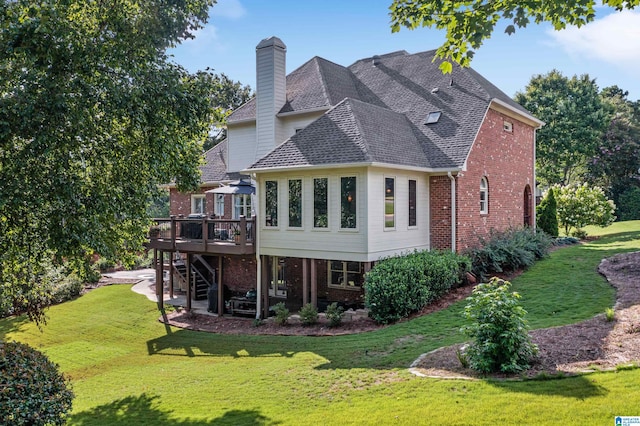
<point>369,241</point>
<point>386,242</point>
<point>291,123</point>
<point>270,98</point>
<point>241,146</point>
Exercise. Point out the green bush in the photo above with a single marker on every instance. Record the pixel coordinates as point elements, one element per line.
<point>582,205</point>
<point>308,315</point>
<point>334,314</point>
<point>499,331</point>
<point>397,286</point>
<point>510,250</point>
<point>547,214</point>
<point>33,391</point>
<point>282,313</point>
<point>629,204</point>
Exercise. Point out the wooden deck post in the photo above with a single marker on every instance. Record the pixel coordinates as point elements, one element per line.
<point>305,281</point>
<point>189,284</point>
<point>160,280</point>
<point>220,288</point>
<point>171,256</point>
<point>314,284</point>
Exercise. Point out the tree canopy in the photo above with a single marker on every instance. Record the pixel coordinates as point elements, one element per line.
<point>575,120</point>
<point>93,116</point>
<point>468,23</point>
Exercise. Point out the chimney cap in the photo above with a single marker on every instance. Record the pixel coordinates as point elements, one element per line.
<point>271,41</point>
<point>376,60</point>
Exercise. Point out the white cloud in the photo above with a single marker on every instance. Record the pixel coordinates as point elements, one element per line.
<point>614,38</point>
<point>230,9</point>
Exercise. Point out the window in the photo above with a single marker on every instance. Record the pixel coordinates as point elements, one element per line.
<point>484,196</point>
<point>389,202</point>
<point>348,202</point>
<point>295,203</point>
<point>198,204</point>
<point>320,203</point>
<point>412,203</point>
<point>241,205</point>
<point>344,274</point>
<point>277,278</point>
<point>271,203</point>
<point>507,126</point>
<point>218,208</point>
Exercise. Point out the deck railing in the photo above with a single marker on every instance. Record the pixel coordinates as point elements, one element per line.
<point>201,231</point>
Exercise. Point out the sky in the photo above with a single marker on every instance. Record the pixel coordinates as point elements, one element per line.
<point>343,31</point>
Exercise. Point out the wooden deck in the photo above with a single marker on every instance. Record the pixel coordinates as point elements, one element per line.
<point>203,235</point>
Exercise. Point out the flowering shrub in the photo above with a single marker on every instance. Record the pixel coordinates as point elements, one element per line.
<point>582,205</point>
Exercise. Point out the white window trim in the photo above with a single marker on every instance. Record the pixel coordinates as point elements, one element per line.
<point>313,207</point>
<point>194,198</point>
<point>484,188</point>
<point>384,205</point>
<point>218,204</point>
<point>301,227</point>
<point>244,206</point>
<point>264,203</point>
<point>358,201</point>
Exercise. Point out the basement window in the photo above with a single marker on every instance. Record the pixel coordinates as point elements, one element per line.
<point>433,117</point>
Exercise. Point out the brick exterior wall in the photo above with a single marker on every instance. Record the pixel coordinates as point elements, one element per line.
<point>180,202</point>
<point>506,160</point>
<point>440,212</point>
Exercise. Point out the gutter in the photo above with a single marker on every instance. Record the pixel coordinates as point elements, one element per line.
<point>453,211</point>
<point>256,244</point>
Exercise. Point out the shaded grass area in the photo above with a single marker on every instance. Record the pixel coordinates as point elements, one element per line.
<point>127,368</point>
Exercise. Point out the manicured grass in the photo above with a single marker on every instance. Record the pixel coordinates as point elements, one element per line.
<point>127,368</point>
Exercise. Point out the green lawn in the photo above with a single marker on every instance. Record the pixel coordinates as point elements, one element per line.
<point>128,368</point>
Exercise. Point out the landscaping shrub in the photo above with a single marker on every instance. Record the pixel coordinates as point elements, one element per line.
<point>629,204</point>
<point>547,214</point>
<point>334,314</point>
<point>398,286</point>
<point>282,313</point>
<point>33,391</point>
<point>582,205</point>
<point>509,250</point>
<point>308,315</point>
<point>499,330</point>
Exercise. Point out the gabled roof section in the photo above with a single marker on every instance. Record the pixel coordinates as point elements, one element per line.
<point>215,167</point>
<point>351,132</point>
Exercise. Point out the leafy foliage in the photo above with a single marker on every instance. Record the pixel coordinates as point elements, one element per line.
<point>498,328</point>
<point>469,22</point>
<point>93,117</point>
<point>509,250</point>
<point>629,204</point>
<point>282,313</point>
<point>398,286</point>
<point>334,314</point>
<point>582,205</point>
<point>575,120</point>
<point>308,314</point>
<point>33,391</point>
<point>547,214</point>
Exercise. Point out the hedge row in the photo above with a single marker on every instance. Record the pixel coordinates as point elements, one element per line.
<point>398,286</point>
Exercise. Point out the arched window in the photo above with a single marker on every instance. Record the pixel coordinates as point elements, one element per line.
<point>484,196</point>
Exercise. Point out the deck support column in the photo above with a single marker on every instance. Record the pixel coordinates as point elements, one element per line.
<point>305,281</point>
<point>220,288</point>
<point>189,284</point>
<point>264,282</point>
<point>314,284</point>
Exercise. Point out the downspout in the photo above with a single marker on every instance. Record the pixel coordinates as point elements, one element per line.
<point>256,244</point>
<point>535,186</point>
<point>453,211</point>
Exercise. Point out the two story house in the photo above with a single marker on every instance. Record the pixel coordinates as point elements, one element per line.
<point>331,168</point>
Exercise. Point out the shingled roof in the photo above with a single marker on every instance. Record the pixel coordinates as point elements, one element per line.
<point>215,167</point>
<point>397,92</point>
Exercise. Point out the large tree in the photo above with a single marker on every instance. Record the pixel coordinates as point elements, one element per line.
<point>575,120</point>
<point>615,165</point>
<point>93,116</point>
<point>469,22</point>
